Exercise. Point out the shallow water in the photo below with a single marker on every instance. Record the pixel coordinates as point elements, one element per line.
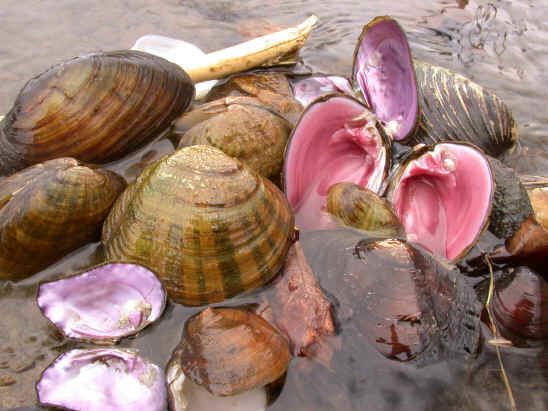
<point>502,45</point>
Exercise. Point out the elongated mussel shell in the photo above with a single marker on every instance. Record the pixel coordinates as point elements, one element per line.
<point>443,196</point>
<point>337,139</point>
<point>519,304</point>
<point>247,131</point>
<point>359,207</point>
<point>454,108</point>
<point>204,222</point>
<point>231,350</point>
<point>95,108</point>
<point>383,70</point>
<point>102,379</point>
<point>105,303</point>
<point>50,209</point>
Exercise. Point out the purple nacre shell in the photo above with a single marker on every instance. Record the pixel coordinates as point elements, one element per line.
<point>306,90</point>
<point>384,71</point>
<point>102,379</point>
<point>105,303</point>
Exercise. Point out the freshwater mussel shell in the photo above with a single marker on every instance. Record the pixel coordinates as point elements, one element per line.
<point>103,303</point>
<point>458,180</point>
<point>105,379</point>
<point>95,108</point>
<point>519,304</point>
<point>50,209</point>
<point>361,208</point>
<point>232,350</point>
<point>242,128</point>
<point>207,225</point>
<point>403,301</point>
<point>336,139</point>
<point>454,108</point>
<point>383,70</point>
<point>272,89</point>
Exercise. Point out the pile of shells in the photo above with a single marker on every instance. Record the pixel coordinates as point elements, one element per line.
<point>404,155</point>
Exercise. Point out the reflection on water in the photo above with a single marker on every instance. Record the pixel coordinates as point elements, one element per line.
<point>502,45</point>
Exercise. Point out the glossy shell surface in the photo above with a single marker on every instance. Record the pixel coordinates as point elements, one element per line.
<point>361,208</point>
<point>519,303</point>
<point>50,209</point>
<point>443,196</point>
<point>102,379</point>
<point>205,223</point>
<point>230,350</point>
<point>454,108</point>
<point>95,108</point>
<point>336,140</point>
<point>105,303</point>
<point>383,70</point>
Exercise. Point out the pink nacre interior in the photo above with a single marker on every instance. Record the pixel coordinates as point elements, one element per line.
<point>443,198</point>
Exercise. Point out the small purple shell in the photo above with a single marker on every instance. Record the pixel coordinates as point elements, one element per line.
<point>102,379</point>
<point>306,90</point>
<point>105,303</point>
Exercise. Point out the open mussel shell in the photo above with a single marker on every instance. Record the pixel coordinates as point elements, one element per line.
<point>232,350</point>
<point>207,225</point>
<point>272,89</point>
<point>95,108</point>
<point>361,208</point>
<point>383,70</point>
<point>104,303</point>
<point>241,129</point>
<point>337,139</point>
<point>519,304</point>
<point>454,108</point>
<point>49,210</point>
<point>102,379</point>
<point>306,89</point>
<point>443,196</point>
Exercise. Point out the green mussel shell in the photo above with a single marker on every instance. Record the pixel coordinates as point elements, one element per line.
<point>207,224</point>
<point>49,210</point>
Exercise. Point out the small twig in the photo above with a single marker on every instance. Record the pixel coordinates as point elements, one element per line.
<point>498,341</point>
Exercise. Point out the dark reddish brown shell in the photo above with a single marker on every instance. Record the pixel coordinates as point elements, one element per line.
<point>95,108</point>
<point>520,304</point>
<point>230,350</point>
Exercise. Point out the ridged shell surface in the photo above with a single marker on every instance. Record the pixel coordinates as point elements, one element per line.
<point>204,222</point>
<point>50,209</point>
<point>95,108</point>
<point>454,108</point>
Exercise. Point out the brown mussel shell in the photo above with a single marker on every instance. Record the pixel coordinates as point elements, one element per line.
<point>361,208</point>
<point>454,108</point>
<point>95,108</point>
<point>272,89</point>
<point>248,132</point>
<point>50,209</point>
<point>208,225</point>
<point>519,304</point>
<point>231,350</point>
